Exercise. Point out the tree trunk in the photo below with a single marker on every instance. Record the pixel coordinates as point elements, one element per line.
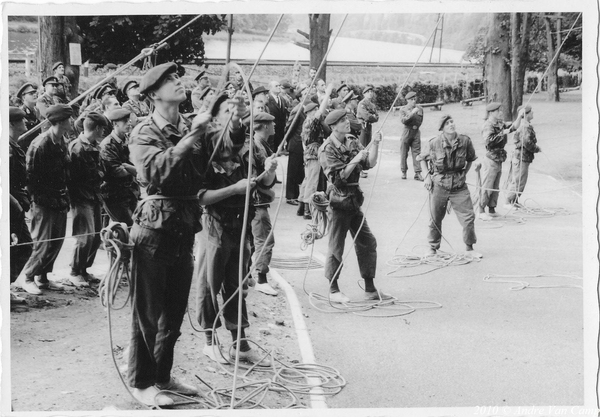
<point>497,70</point>
<point>519,24</point>
<point>319,41</point>
<point>56,32</point>
<point>553,41</point>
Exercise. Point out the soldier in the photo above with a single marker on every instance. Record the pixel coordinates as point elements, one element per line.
<point>164,149</point>
<point>85,177</point>
<point>366,113</point>
<point>19,199</point>
<point>412,118</point>
<point>494,133</point>
<point>120,191</point>
<point>64,87</point>
<point>98,97</point>
<point>138,108</point>
<point>342,158</point>
<point>447,162</point>
<point>47,161</point>
<point>223,195</point>
<point>28,94</point>
<point>351,103</point>
<point>203,83</point>
<point>342,90</point>
<point>47,99</point>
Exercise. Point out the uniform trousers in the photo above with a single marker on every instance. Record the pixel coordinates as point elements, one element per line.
<point>412,142</point>
<point>463,207</point>
<point>120,212</point>
<point>491,171</point>
<point>263,247</point>
<point>517,179</point>
<point>218,272</point>
<point>46,223</point>
<point>310,184</point>
<point>87,223</point>
<point>162,269</point>
<point>340,223</point>
<point>19,255</point>
<point>295,174</point>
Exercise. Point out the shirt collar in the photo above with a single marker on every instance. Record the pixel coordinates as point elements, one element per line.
<point>336,142</point>
<point>162,123</point>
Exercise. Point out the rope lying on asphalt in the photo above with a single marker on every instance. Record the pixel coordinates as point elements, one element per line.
<point>521,285</point>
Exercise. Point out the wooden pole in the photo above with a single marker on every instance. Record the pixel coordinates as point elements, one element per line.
<point>229,35</point>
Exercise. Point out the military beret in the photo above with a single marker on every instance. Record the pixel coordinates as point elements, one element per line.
<point>117,114</point>
<point>56,65</point>
<point>527,108</point>
<point>335,116</point>
<point>104,89</point>
<point>58,113</point>
<point>368,88</point>
<point>340,87</point>
<point>410,95</point>
<point>443,121</point>
<point>202,74</point>
<point>285,84</point>
<point>25,88</point>
<point>15,114</point>
<point>258,90</point>
<point>152,79</point>
<point>263,117</point>
<point>310,106</point>
<point>493,106</point>
<point>350,96</point>
<point>218,99</point>
<point>128,85</point>
<point>52,80</point>
<point>99,119</point>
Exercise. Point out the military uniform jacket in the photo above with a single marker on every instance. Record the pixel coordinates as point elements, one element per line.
<point>261,195</point>
<point>43,102</point>
<point>366,112</point>
<point>18,175</point>
<point>85,171</point>
<point>448,159</point>
<point>495,140</point>
<point>412,121</point>
<point>118,185</point>
<point>139,108</point>
<point>526,143</point>
<point>64,91</point>
<point>32,116</point>
<point>47,172</point>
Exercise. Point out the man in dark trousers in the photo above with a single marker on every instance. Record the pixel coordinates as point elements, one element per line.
<point>295,167</point>
<point>366,113</point>
<point>19,199</point>
<point>85,178</point>
<point>47,164</point>
<point>277,109</point>
<point>412,118</point>
<point>342,158</point>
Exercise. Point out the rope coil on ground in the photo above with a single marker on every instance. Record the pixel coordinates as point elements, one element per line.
<point>521,285</point>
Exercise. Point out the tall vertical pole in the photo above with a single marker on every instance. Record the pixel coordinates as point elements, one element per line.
<point>229,34</point>
<point>441,33</point>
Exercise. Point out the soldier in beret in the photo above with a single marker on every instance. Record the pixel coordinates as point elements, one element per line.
<point>19,199</point>
<point>138,108</point>
<point>262,196</point>
<point>342,90</point>
<point>120,191</point>
<point>95,100</point>
<point>494,132</point>
<point>223,195</point>
<point>47,99</point>
<point>203,83</point>
<point>63,91</point>
<point>28,95</point>
<point>84,189</point>
<point>47,165</point>
<point>447,161</point>
<point>165,150</point>
<point>351,103</point>
<point>342,158</point>
<point>412,118</point>
<point>366,113</point>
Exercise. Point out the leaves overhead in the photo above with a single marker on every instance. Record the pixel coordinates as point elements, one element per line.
<point>117,39</point>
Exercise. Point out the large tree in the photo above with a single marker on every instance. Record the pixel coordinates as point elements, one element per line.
<point>519,25</point>
<point>318,41</point>
<point>497,62</point>
<point>117,39</point>
<point>56,32</point>
<point>554,38</point>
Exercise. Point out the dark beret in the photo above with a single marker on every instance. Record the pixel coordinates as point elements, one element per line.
<point>105,88</point>
<point>25,88</point>
<point>98,118</point>
<point>202,74</point>
<point>335,116</point>
<point>218,99</point>
<point>52,80</point>
<point>152,79</point>
<point>368,88</point>
<point>340,87</point>
<point>15,114</point>
<point>258,90</point>
<point>285,84</point>
<point>310,106</point>
<point>493,106</point>
<point>263,117</point>
<point>56,65</point>
<point>410,95</point>
<point>443,121</point>
<point>58,113</point>
<point>128,85</point>
<point>117,114</point>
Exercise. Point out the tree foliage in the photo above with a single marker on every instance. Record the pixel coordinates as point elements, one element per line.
<point>117,39</point>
